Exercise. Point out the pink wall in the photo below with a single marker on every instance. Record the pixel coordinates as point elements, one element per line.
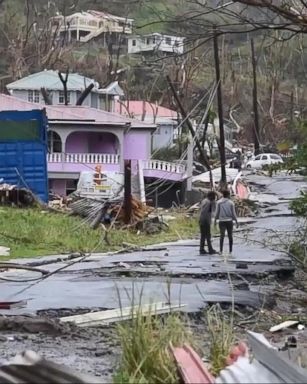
<point>137,145</point>
<point>92,142</point>
<point>102,143</point>
<point>58,186</point>
<point>77,142</point>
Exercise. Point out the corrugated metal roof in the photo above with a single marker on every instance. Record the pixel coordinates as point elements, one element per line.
<point>30,368</point>
<point>267,365</point>
<point>50,80</point>
<point>135,108</point>
<point>70,113</point>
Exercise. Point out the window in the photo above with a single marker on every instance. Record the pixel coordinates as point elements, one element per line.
<point>54,142</point>
<point>133,43</point>
<point>33,96</point>
<point>264,157</point>
<point>148,41</point>
<point>62,98</point>
<point>275,157</point>
<point>257,157</point>
<point>168,41</point>
<point>176,43</point>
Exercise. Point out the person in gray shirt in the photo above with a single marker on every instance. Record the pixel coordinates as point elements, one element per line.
<point>207,209</point>
<point>226,215</point>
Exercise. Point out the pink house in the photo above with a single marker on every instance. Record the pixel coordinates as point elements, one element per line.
<point>80,138</point>
<point>166,120</point>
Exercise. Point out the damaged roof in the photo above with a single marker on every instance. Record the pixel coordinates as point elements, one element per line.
<point>69,114</point>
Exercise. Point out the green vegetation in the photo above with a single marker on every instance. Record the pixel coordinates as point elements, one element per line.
<point>221,333</point>
<point>145,342</point>
<point>32,232</point>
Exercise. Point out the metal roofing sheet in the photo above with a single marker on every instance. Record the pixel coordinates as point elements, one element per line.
<point>30,368</point>
<point>67,112</point>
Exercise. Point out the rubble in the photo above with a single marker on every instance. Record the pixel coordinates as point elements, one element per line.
<point>12,195</point>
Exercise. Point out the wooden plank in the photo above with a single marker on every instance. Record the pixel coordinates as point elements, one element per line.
<point>120,314</point>
<point>191,367</point>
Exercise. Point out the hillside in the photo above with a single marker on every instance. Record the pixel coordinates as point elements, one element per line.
<point>27,46</point>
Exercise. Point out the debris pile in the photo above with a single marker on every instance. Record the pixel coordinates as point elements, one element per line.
<point>106,211</point>
<point>12,195</point>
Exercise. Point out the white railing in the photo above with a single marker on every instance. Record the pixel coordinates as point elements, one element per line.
<point>83,158</point>
<point>158,165</point>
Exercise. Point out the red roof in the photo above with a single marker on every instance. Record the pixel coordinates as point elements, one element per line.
<point>63,112</point>
<point>136,107</point>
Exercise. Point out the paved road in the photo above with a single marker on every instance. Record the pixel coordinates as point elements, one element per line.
<point>177,271</point>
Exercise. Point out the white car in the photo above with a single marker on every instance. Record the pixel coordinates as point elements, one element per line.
<point>264,159</point>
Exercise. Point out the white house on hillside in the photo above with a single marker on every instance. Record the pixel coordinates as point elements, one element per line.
<point>29,89</point>
<point>156,42</point>
<point>85,26</point>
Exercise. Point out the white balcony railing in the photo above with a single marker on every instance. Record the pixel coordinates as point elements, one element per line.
<point>158,165</point>
<point>83,158</point>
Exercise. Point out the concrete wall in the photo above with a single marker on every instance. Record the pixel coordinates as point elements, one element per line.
<point>92,142</point>
<point>77,142</point>
<point>58,186</point>
<point>103,143</point>
<point>54,97</point>
<point>137,145</point>
<point>165,43</point>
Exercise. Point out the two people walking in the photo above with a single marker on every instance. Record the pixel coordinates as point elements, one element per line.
<point>225,214</point>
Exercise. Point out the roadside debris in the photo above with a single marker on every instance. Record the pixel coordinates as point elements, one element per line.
<point>267,366</point>
<point>12,304</point>
<point>14,196</point>
<point>284,325</point>
<point>30,368</point>
<point>93,319</point>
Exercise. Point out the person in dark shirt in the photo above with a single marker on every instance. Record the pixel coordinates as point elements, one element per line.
<point>207,209</point>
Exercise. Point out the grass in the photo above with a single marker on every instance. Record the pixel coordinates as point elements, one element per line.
<point>220,329</point>
<point>32,232</point>
<point>145,343</point>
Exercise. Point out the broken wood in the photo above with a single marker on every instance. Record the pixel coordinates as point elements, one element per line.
<point>284,325</point>
<point>93,319</point>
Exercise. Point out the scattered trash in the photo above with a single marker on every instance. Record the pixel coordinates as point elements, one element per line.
<point>284,325</point>
<point>111,316</point>
<point>12,304</point>
<point>31,368</point>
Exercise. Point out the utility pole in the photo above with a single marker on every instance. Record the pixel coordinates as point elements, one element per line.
<point>220,110</point>
<point>255,101</point>
<point>202,153</point>
<point>127,192</point>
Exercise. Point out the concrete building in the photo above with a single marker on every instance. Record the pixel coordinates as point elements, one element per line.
<point>29,89</point>
<point>85,26</point>
<point>156,42</point>
<point>165,119</point>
